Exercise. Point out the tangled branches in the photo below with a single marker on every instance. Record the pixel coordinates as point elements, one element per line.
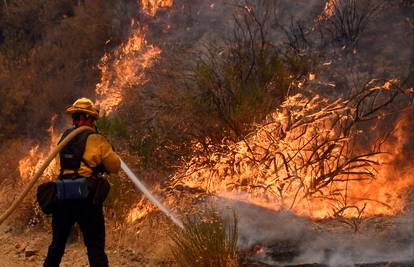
<point>348,19</point>
<point>308,149</point>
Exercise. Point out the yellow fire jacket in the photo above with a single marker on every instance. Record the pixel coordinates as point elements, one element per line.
<point>97,150</point>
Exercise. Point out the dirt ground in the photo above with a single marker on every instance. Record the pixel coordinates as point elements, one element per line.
<point>29,248</point>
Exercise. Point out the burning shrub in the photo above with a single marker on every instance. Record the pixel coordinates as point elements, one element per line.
<point>207,240</point>
<point>310,156</point>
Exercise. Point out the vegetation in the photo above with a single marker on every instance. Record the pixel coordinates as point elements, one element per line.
<point>208,110</point>
<point>350,19</point>
<point>207,240</point>
<point>114,127</point>
<point>221,92</point>
<point>49,51</point>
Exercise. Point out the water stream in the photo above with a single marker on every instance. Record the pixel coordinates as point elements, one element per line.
<point>149,195</point>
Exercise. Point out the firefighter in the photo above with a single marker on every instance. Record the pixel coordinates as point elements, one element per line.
<point>80,187</point>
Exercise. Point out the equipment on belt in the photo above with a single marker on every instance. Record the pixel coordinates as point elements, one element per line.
<point>46,197</point>
<point>72,189</point>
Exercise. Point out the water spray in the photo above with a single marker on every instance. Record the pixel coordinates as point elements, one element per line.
<point>149,195</point>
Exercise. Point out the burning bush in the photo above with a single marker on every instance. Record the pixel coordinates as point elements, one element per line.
<point>310,156</point>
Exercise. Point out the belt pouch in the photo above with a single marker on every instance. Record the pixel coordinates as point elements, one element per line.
<point>46,197</point>
<point>72,189</point>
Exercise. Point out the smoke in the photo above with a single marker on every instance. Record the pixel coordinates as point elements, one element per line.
<point>347,249</point>
<point>196,23</point>
<point>290,239</point>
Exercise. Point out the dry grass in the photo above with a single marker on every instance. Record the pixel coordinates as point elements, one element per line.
<point>207,240</point>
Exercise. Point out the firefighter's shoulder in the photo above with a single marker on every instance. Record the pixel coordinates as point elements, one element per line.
<point>97,143</point>
<point>98,138</point>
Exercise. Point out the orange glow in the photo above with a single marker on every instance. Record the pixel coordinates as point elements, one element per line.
<point>328,11</point>
<point>141,209</point>
<point>28,164</point>
<point>34,159</point>
<point>150,7</point>
<point>276,166</point>
<point>284,165</point>
<point>124,68</point>
<point>259,250</point>
<point>397,170</point>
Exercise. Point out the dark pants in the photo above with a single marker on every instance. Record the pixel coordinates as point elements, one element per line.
<point>91,222</point>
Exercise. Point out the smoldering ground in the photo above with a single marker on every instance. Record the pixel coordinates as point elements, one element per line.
<point>292,240</point>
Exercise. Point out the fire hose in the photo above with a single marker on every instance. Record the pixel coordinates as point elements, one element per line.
<point>52,155</point>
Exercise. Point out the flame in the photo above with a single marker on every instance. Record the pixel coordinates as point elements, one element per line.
<point>301,160</point>
<point>265,169</point>
<point>329,11</point>
<point>150,7</point>
<point>124,68</point>
<point>28,164</point>
<point>396,174</point>
<point>36,156</point>
<point>141,209</point>
<point>259,250</point>
<point>121,69</point>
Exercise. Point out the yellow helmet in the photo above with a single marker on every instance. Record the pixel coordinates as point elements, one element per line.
<point>83,105</point>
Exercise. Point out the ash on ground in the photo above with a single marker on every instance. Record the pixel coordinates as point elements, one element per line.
<point>283,238</point>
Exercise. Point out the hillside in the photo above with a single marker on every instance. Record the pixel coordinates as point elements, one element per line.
<point>297,116</point>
